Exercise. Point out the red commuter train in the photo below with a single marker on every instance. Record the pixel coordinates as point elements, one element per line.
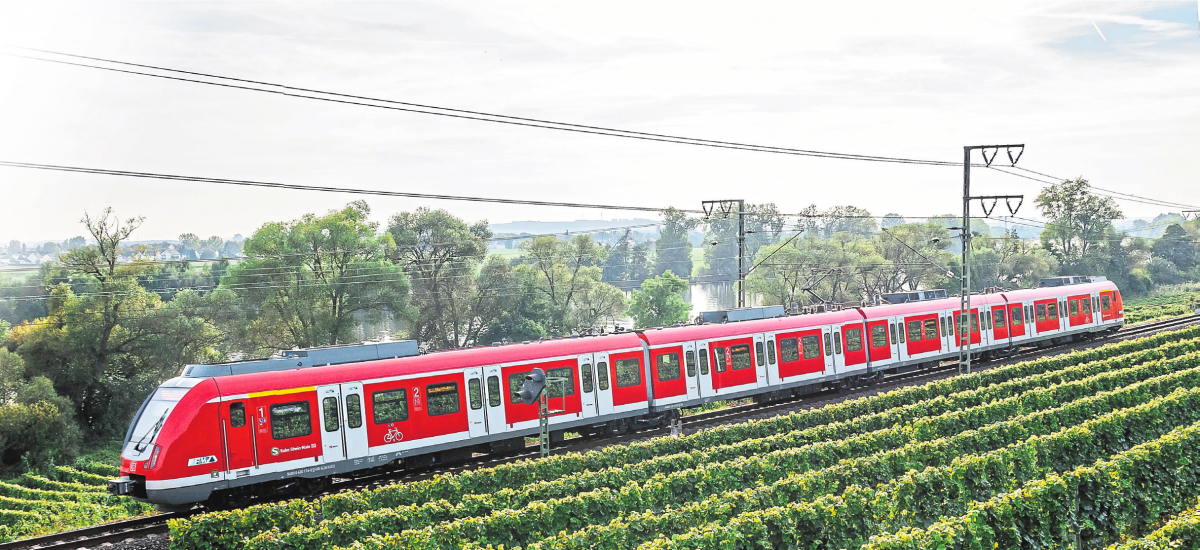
<point>224,434</point>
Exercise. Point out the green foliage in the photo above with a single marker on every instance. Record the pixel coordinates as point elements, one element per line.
<point>1078,223</point>
<point>36,424</point>
<point>660,302</point>
<point>1165,302</point>
<point>304,281</point>
<point>1182,531</point>
<point>673,250</point>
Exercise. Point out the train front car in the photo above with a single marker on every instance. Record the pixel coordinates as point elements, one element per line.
<point>172,451</point>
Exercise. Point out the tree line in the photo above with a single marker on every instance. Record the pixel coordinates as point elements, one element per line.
<point>91,334</point>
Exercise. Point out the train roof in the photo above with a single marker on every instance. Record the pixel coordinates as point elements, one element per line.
<point>425,364</point>
<point>1044,292</point>
<point>668,335</point>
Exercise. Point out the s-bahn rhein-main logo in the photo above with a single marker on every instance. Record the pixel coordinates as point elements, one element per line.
<point>276,451</point>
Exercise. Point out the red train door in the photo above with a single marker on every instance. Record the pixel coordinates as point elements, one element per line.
<point>855,342</point>
<point>878,340</point>
<point>1000,323</point>
<point>1016,320</point>
<point>239,442</point>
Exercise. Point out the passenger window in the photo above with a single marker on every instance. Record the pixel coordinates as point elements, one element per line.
<point>629,372</point>
<point>703,361</point>
<point>1074,308</point>
<point>1105,303</point>
<point>999,319</point>
<point>475,394</point>
<point>854,339</point>
<point>237,415</point>
<point>442,398</point>
<point>602,375</point>
<point>789,350</point>
<point>974,322</point>
<point>914,331</point>
<point>516,380</point>
<point>931,329</point>
<point>389,406</point>
<point>812,347</point>
<point>494,398</point>
<point>668,367</point>
<point>353,411</point>
<point>719,359</point>
<point>758,352</point>
<point>1017,317</point>
<point>987,319</point>
<point>587,378</point>
<point>1041,312</point>
<point>1052,312</point>
<point>828,348</point>
<point>290,420</point>
<point>561,388</point>
<point>690,358</point>
<point>739,357</point>
<point>879,336</point>
<point>1087,306</point>
<point>329,406</point>
<point>771,351</point>
<point>837,343</point>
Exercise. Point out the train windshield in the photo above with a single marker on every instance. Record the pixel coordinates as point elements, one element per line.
<point>150,422</point>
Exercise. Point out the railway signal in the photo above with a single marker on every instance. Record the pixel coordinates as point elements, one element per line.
<point>534,386</point>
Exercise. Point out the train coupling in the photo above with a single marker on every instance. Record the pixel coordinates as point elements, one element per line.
<point>125,486</point>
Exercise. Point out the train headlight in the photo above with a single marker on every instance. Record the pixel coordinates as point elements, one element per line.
<point>154,457</point>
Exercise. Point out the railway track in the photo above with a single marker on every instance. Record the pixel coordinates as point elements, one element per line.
<point>116,532</point>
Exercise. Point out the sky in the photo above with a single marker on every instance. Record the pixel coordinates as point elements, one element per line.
<point>1106,91</point>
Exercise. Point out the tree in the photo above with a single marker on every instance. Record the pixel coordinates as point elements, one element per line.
<point>1176,246</point>
<point>660,302</point>
<point>35,422</point>
<point>441,254</point>
<point>673,251</point>
<point>1009,262</point>
<point>1079,225</point>
<point>304,281</point>
<point>189,246</point>
<point>907,250</point>
<point>891,220</point>
<point>564,279</point>
<point>628,263</point>
<point>112,342</point>
<point>15,247</point>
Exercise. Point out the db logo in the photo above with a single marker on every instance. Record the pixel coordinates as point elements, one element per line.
<point>274,451</point>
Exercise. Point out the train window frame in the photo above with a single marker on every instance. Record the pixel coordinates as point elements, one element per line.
<point>234,420</point>
<point>789,350</point>
<point>1000,320</point>
<point>771,352</point>
<point>759,353</point>
<point>828,348</point>
<point>837,342</point>
<point>435,390</point>
<point>330,414</point>
<point>306,412</point>
<point>987,315</point>
<point>718,353</point>
<point>585,377</point>
<point>689,360</point>
<point>474,393</point>
<point>1106,303</point>
<point>1041,313</point>
<point>495,399</point>
<point>804,346</point>
<point>375,408</point>
<point>602,375</point>
<point>1018,316</point>
<point>704,362</point>
<point>927,324</point>
<point>553,389</point>
<point>1074,308</point>
<point>900,332</point>
<point>875,334</point>
<point>736,352</point>
<point>857,332</point>
<point>1052,312</point>
<point>1085,306</point>
<point>659,366</point>
<point>637,372</point>
<point>354,414</point>
<point>919,334</point>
